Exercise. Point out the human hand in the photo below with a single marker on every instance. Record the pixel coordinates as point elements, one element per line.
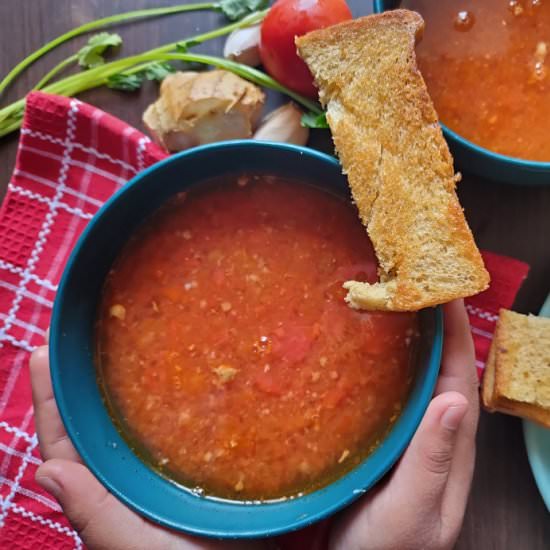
<point>101,520</point>
<point>420,506</point>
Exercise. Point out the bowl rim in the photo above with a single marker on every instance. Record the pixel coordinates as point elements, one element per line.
<point>86,452</point>
<point>380,6</point>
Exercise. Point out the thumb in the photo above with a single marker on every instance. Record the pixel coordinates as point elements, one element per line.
<point>101,520</point>
<point>425,466</point>
<point>408,503</point>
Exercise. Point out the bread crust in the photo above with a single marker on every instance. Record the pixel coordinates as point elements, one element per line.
<point>516,380</point>
<point>399,167</point>
<point>488,381</point>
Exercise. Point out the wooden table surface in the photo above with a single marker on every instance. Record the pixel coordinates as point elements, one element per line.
<point>505,510</point>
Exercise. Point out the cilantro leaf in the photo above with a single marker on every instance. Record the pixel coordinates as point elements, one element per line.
<point>313,120</point>
<point>158,71</point>
<point>237,9</point>
<point>91,55</point>
<point>126,82</point>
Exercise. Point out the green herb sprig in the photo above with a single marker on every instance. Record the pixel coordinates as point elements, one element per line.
<point>314,120</point>
<point>98,76</point>
<point>129,73</point>
<point>237,9</point>
<point>88,57</point>
<point>98,24</point>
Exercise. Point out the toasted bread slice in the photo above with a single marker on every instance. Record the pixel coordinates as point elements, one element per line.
<point>400,171</point>
<point>517,375</point>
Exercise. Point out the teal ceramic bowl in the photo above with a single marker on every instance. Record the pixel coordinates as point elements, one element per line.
<point>93,433</point>
<point>471,158</point>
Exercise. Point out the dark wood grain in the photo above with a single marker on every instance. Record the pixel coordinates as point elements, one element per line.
<point>505,509</point>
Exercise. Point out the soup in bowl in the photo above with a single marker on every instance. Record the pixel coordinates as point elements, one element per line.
<point>204,361</point>
<point>486,66</point>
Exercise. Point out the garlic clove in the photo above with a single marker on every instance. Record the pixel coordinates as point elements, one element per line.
<point>243,46</point>
<point>284,125</point>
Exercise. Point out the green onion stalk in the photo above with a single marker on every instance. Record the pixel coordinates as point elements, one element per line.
<point>249,73</point>
<point>57,69</point>
<point>98,76</point>
<point>251,19</point>
<point>11,116</point>
<point>97,24</point>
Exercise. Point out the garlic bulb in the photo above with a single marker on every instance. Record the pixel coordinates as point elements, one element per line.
<point>243,46</point>
<point>283,124</point>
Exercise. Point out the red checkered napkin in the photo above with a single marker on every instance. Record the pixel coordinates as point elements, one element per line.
<point>71,158</point>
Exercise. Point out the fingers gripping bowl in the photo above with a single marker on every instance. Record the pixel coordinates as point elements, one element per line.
<point>113,456</point>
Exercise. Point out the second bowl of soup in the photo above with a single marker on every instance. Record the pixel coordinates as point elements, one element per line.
<point>487,68</point>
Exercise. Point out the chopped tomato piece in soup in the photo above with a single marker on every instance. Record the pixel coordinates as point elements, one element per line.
<point>227,352</point>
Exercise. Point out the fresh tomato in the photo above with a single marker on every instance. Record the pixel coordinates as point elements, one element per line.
<point>286,20</point>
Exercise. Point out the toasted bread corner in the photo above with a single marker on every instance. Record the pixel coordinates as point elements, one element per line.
<point>516,380</point>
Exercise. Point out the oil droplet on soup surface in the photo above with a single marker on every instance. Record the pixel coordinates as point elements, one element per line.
<point>464,21</point>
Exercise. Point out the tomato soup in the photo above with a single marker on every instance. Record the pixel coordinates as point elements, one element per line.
<point>486,65</point>
<point>227,352</point>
